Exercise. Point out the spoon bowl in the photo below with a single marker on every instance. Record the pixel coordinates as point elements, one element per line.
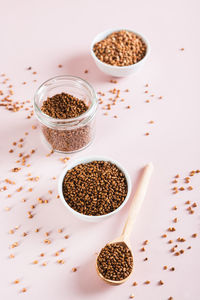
<point>116,282</point>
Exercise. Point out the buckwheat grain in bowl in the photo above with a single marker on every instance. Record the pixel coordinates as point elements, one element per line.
<point>119,52</point>
<point>66,108</point>
<point>94,188</point>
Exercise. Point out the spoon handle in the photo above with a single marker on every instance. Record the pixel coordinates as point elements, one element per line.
<point>137,200</point>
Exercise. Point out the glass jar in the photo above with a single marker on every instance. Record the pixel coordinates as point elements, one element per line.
<point>67,135</point>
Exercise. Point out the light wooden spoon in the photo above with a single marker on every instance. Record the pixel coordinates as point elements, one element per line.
<point>133,212</point>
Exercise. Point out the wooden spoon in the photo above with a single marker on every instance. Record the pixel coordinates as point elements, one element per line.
<point>133,212</point>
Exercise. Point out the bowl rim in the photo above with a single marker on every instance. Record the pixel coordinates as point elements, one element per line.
<point>88,159</point>
<point>105,34</point>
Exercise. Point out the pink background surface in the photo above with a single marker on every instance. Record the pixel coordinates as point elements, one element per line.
<point>43,34</point>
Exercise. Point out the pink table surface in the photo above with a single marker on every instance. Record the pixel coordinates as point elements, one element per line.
<point>44,34</point>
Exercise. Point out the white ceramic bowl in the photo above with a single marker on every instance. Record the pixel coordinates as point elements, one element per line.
<point>116,70</point>
<point>76,162</point>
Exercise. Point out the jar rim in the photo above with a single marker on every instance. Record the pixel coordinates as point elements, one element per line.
<point>92,109</point>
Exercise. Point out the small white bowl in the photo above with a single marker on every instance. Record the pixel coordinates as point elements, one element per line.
<point>84,160</point>
<point>116,70</point>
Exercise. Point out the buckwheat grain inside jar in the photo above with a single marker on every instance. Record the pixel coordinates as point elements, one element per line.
<point>70,134</point>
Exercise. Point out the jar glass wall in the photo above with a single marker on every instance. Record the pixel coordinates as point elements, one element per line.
<point>67,135</point>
